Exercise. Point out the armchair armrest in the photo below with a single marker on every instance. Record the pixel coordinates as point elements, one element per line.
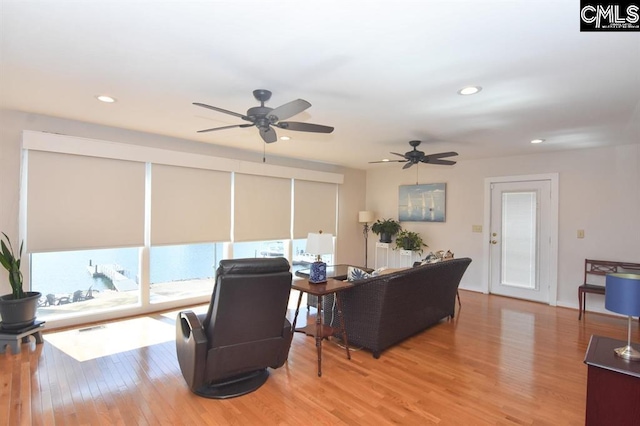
<point>191,348</point>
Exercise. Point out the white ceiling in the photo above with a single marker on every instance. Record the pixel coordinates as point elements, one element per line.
<point>381,72</point>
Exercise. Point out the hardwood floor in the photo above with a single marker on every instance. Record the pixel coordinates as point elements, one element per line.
<point>500,361</point>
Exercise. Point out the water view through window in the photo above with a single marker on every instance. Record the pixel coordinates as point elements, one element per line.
<point>92,280</point>
<point>88,281</point>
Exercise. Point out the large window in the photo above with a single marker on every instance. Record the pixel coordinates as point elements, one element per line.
<point>183,271</point>
<point>302,260</point>
<point>255,249</point>
<point>87,281</point>
<point>112,226</point>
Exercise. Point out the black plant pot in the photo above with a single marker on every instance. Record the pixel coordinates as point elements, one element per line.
<point>385,237</point>
<point>18,313</point>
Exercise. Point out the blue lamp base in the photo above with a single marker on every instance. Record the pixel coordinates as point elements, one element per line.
<point>318,273</point>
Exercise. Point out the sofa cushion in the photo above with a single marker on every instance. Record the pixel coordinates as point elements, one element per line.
<point>438,256</point>
<point>355,274</point>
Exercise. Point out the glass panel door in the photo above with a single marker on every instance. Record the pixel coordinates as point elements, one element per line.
<point>519,239</point>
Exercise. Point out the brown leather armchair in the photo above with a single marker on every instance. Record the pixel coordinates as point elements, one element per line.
<point>226,352</point>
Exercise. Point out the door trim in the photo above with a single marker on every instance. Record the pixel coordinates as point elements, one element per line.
<point>553,229</point>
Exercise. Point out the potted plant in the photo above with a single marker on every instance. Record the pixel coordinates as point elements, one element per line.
<point>18,309</point>
<point>409,240</point>
<point>386,228</point>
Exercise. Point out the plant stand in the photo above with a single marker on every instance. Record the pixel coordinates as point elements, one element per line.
<point>14,338</point>
<point>406,258</point>
<point>383,256</point>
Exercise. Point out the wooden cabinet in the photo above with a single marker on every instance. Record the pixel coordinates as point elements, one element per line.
<point>613,385</point>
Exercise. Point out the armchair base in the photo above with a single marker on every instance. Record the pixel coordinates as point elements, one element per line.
<point>234,386</point>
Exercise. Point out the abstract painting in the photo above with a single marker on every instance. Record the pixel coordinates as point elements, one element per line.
<point>422,203</point>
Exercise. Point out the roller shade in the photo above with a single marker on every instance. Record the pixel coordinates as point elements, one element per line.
<point>79,202</point>
<point>314,208</point>
<point>189,205</point>
<point>262,208</point>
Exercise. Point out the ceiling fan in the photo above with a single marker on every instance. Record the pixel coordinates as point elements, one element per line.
<point>415,157</point>
<point>264,117</point>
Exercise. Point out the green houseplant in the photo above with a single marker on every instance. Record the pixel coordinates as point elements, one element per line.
<point>18,309</point>
<point>386,228</point>
<point>409,240</point>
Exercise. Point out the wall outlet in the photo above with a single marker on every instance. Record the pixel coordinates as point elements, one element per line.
<point>580,233</point>
<point>476,228</point>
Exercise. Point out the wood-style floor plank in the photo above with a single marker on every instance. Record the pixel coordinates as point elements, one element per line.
<point>500,361</point>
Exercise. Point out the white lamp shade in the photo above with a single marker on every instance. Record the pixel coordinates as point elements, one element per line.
<point>319,244</point>
<point>365,216</point>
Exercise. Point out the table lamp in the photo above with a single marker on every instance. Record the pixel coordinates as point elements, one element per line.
<point>365,217</point>
<point>319,244</point>
<point>622,295</point>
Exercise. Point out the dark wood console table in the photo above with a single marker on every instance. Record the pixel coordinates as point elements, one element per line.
<point>613,385</point>
<point>321,331</point>
<point>337,272</point>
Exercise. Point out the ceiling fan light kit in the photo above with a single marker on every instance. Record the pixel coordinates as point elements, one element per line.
<point>264,117</point>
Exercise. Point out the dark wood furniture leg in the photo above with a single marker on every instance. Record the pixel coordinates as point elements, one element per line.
<point>295,316</point>
<point>319,335</point>
<point>581,303</point>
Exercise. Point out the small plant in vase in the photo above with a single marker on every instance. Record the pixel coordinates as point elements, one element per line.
<point>386,228</point>
<point>409,240</point>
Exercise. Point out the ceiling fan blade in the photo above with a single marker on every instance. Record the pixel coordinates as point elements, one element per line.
<point>304,127</point>
<point>268,135</point>
<point>244,117</point>
<point>225,127</point>
<point>289,109</point>
<point>441,155</point>
<point>409,164</point>
<point>395,153</point>
<point>389,161</point>
<point>436,161</point>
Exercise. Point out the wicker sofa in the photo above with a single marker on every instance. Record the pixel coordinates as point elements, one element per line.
<point>384,310</point>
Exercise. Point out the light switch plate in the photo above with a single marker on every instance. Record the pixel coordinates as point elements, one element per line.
<point>476,228</point>
<point>580,233</point>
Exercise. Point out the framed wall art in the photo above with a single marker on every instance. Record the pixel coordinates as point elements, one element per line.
<point>422,203</point>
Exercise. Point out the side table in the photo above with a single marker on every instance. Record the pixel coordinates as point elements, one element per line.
<point>14,338</point>
<point>613,385</point>
<point>338,272</point>
<point>321,331</point>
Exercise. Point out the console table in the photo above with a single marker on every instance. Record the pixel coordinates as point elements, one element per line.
<point>613,385</point>
<point>321,331</point>
<point>337,272</point>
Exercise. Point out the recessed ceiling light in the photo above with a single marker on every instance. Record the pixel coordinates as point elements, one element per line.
<point>285,138</point>
<point>537,140</point>
<point>106,99</point>
<point>469,90</point>
<point>385,159</point>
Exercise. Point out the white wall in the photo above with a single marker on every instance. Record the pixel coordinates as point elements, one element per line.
<point>599,192</point>
<point>12,123</point>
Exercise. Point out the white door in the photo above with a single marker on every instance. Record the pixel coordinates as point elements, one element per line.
<point>520,239</point>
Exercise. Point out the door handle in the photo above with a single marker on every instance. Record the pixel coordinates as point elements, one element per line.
<point>494,242</point>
